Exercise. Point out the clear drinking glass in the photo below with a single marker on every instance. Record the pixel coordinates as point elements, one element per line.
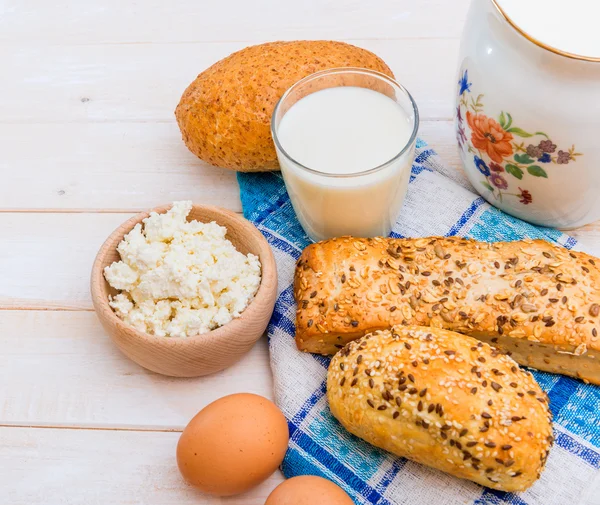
<point>362,204</point>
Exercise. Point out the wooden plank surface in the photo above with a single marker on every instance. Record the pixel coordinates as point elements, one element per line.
<point>144,82</point>
<point>99,467</point>
<point>125,166</point>
<point>105,166</point>
<point>87,137</point>
<point>48,256</point>
<point>70,374</point>
<point>115,21</point>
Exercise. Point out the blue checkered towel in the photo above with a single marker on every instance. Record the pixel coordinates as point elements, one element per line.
<point>439,202</point>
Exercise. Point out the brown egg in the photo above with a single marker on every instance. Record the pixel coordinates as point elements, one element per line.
<point>308,490</point>
<point>233,444</point>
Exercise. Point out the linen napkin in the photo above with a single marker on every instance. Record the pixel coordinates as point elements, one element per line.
<point>439,202</point>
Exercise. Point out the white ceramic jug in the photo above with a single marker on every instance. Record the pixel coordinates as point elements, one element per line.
<point>528,121</point>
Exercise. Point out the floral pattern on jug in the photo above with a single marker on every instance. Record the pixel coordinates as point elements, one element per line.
<point>498,152</point>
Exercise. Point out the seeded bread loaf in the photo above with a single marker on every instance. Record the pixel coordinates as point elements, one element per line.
<point>446,401</point>
<point>535,300</point>
<point>225,114</point>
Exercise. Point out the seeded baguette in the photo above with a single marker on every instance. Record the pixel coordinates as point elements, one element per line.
<point>537,301</point>
<point>446,401</point>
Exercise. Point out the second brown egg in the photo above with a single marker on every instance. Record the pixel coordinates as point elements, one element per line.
<point>308,490</point>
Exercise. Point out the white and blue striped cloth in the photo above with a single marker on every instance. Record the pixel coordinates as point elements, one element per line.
<point>439,202</point>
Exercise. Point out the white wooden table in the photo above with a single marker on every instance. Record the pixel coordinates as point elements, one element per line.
<point>88,137</point>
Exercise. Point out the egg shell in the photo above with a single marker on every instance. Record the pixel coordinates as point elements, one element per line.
<point>308,490</point>
<point>233,444</point>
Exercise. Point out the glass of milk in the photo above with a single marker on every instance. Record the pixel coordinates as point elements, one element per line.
<point>345,139</point>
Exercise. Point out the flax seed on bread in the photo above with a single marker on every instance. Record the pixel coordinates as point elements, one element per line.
<point>538,301</point>
<point>444,400</point>
<point>225,113</point>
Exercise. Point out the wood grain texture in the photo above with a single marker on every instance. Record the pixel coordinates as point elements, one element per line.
<point>144,82</point>
<point>126,167</point>
<point>87,125</point>
<point>114,21</point>
<point>587,235</point>
<point>91,467</point>
<point>202,354</point>
<point>62,369</point>
<point>105,166</point>
<point>47,257</point>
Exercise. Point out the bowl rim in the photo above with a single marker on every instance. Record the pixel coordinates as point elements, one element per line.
<point>235,326</point>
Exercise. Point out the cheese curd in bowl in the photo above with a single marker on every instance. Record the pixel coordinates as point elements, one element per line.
<point>180,278</point>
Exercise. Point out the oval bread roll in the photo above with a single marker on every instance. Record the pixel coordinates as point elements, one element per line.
<point>536,301</point>
<point>444,400</point>
<point>225,114</point>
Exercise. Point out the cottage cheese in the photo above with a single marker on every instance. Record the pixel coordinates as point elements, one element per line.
<point>180,278</point>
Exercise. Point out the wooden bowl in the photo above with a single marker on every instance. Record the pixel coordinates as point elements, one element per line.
<point>202,354</point>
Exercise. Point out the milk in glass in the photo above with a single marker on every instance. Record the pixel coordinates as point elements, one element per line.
<point>347,160</point>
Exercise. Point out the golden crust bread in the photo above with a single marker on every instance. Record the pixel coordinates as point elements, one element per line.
<point>535,300</point>
<point>225,114</point>
<point>446,401</point>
